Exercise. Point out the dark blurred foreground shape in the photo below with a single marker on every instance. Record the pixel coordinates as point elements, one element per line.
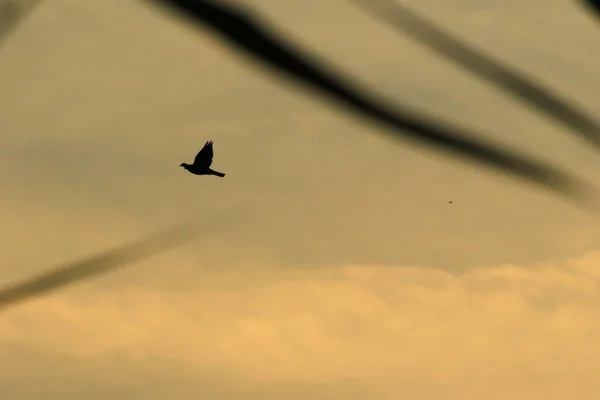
<point>250,36</point>
<point>12,13</point>
<point>593,7</point>
<point>107,261</point>
<point>523,88</point>
<point>104,262</point>
<point>246,32</point>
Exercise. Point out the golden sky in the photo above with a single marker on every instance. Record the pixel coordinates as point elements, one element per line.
<point>346,274</point>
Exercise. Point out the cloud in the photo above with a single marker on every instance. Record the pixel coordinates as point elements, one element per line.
<point>385,327</point>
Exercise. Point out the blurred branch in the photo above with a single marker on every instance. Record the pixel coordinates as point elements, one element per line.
<point>246,33</point>
<point>93,266</point>
<point>593,6</point>
<point>249,34</point>
<point>13,12</point>
<point>61,276</point>
<point>510,81</point>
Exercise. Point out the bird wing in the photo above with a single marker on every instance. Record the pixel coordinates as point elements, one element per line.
<point>204,157</point>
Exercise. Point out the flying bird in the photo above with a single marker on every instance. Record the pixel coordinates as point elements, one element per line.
<point>202,162</point>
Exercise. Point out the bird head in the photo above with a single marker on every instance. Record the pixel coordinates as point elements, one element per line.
<point>184,165</point>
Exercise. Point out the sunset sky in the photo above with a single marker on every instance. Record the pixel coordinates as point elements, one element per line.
<point>339,269</point>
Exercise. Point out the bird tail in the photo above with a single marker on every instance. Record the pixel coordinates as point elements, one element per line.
<point>217,173</point>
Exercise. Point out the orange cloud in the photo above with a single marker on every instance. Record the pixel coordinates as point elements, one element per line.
<point>381,325</point>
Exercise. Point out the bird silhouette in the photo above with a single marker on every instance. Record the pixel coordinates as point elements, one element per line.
<point>202,162</point>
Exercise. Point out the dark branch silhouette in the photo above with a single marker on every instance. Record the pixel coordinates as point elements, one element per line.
<point>510,81</point>
<point>248,34</point>
<point>593,6</point>
<point>101,263</point>
<point>12,12</point>
<point>9,17</point>
<point>202,162</point>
